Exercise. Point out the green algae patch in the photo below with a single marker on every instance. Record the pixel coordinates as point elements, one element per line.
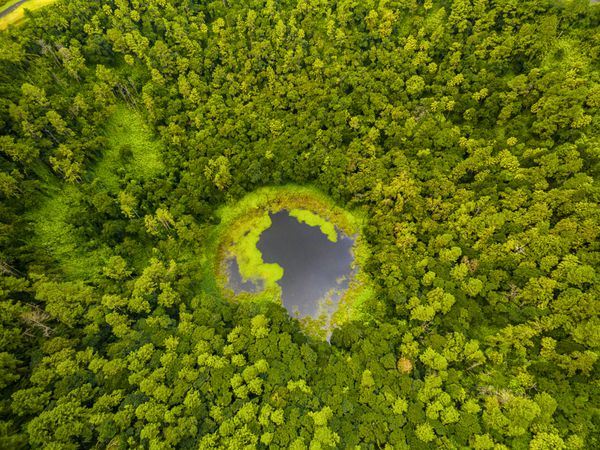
<point>244,240</point>
<point>313,220</point>
<point>239,230</point>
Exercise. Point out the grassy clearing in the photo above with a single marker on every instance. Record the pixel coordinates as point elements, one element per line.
<point>132,148</point>
<point>54,233</point>
<point>17,16</point>
<point>51,221</point>
<point>240,228</point>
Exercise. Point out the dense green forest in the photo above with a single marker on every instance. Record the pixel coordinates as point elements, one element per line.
<point>466,132</point>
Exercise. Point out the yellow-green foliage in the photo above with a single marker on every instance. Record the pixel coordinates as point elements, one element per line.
<point>4,4</point>
<point>313,220</point>
<point>244,239</point>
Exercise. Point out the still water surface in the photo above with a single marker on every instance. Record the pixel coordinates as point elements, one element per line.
<point>314,267</point>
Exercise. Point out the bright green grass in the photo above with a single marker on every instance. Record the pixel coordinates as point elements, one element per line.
<point>313,220</point>
<point>54,233</point>
<point>127,129</point>
<point>51,221</point>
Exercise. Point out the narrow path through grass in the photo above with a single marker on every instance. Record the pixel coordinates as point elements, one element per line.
<point>8,6</point>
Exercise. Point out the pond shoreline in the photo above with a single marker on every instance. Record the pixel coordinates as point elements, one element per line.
<point>247,217</point>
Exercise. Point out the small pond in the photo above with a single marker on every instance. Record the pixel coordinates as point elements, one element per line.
<point>316,269</point>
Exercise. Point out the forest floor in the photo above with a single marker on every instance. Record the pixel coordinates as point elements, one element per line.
<point>15,12</point>
<point>52,220</point>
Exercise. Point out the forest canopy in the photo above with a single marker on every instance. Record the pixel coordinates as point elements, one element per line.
<point>466,133</point>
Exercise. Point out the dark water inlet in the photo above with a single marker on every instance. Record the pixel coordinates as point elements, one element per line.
<point>314,267</point>
<point>237,283</point>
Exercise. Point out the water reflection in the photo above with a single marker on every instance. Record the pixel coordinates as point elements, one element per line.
<point>236,281</point>
<point>316,270</point>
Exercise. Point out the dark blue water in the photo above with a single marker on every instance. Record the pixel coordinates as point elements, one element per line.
<point>314,267</point>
